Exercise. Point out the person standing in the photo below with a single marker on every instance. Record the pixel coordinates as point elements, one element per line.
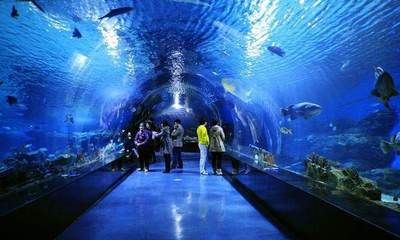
<point>149,124</point>
<point>202,137</point>
<point>166,145</point>
<point>143,144</point>
<point>217,147</point>
<point>131,148</point>
<point>129,155</point>
<point>177,142</point>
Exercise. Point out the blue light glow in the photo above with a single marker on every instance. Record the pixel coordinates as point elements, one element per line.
<point>247,63</point>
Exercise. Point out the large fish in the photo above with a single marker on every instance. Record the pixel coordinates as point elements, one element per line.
<point>384,86</point>
<point>392,145</point>
<point>303,109</point>
<point>117,11</point>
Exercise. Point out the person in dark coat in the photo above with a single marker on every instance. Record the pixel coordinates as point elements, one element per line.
<point>166,144</point>
<point>143,144</point>
<point>149,124</point>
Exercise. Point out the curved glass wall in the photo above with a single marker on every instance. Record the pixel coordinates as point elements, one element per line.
<point>311,84</point>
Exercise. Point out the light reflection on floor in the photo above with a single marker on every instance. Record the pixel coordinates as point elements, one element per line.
<point>179,205</point>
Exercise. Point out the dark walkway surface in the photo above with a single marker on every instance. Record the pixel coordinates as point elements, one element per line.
<point>179,205</point>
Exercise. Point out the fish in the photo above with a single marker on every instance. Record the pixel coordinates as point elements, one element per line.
<point>277,50</point>
<point>345,65</point>
<point>117,11</point>
<point>35,4</point>
<point>14,12</point>
<point>76,33</point>
<point>69,118</point>
<point>303,109</point>
<point>384,87</point>
<point>286,131</point>
<point>76,19</point>
<point>392,145</point>
<point>11,100</point>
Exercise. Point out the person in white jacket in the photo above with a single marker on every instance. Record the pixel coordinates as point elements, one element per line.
<point>217,147</point>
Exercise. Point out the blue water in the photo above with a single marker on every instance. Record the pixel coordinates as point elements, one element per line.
<point>200,58</point>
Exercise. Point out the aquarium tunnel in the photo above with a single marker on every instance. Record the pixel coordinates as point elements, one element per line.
<point>305,91</point>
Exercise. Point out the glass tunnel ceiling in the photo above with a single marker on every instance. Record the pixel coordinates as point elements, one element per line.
<point>192,53</point>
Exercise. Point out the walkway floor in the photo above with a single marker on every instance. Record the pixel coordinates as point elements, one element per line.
<point>179,205</point>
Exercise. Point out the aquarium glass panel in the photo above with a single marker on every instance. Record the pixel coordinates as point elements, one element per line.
<point>306,85</point>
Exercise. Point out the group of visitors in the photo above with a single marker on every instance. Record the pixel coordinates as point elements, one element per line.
<point>171,144</point>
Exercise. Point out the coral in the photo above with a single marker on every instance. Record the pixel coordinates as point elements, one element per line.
<point>348,179</point>
<point>387,179</point>
<point>357,144</point>
<point>362,149</point>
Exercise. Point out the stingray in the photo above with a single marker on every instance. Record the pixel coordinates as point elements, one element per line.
<point>384,86</point>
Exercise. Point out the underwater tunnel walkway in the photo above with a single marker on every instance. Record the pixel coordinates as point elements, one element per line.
<point>179,205</point>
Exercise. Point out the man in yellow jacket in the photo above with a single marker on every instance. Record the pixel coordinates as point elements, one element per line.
<point>202,137</point>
